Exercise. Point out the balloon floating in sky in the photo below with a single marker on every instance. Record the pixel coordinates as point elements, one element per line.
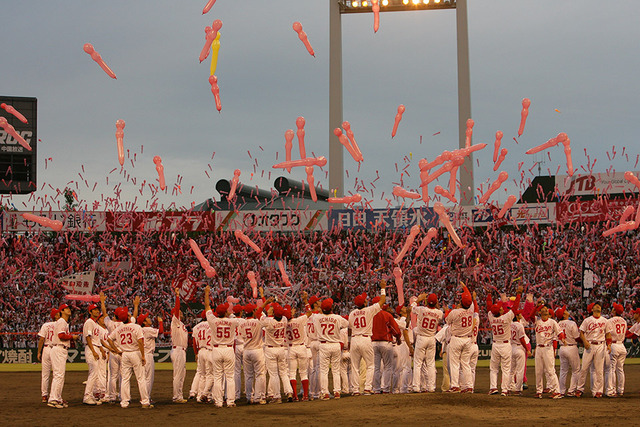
<point>288,145</point>
<point>240,235</point>
<point>12,131</point>
<point>401,192</point>
<point>347,129</point>
<point>468,133</point>
<point>234,184</point>
<point>9,109</point>
<point>253,283</point>
<point>399,114</point>
<point>215,49</point>
<point>526,103</point>
<point>307,161</point>
<point>210,35</point>
<point>444,218</point>
<point>496,145</point>
<point>431,233</point>
<point>88,48</point>
<point>297,27</point>
<point>120,140</point>
<point>300,122</point>
<point>561,138</point>
<point>85,298</point>
<point>503,155</point>
<point>502,177</point>
<point>507,205</point>
<point>204,263</point>
<point>215,90</point>
<point>407,244</point>
<point>375,6</point>
<point>397,273</point>
<point>53,224</point>
<point>311,182</point>
<point>347,200</point>
<point>160,168</point>
<point>208,6</point>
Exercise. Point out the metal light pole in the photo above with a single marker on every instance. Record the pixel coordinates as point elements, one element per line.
<point>336,159</point>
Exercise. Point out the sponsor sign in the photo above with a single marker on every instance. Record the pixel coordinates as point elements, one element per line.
<point>595,184</point>
<point>276,220</point>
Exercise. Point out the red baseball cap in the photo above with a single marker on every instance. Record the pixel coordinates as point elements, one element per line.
<point>249,308</point>
<point>326,304</point>
<point>466,299</point>
<point>92,307</point>
<point>54,311</point>
<point>237,309</point>
<point>399,309</point>
<point>636,311</point>
<point>140,319</point>
<point>122,313</point>
<point>314,299</point>
<point>222,309</point>
<point>619,308</point>
<point>360,300</point>
<point>560,312</point>
<point>278,311</point>
<point>432,299</point>
<point>287,312</point>
<point>495,308</point>
<point>62,307</point>
<point>375,300</point>
<point>590,307</point>
<point>203,314</point>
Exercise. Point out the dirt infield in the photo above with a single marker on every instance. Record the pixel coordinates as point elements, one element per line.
<point>21,398</point>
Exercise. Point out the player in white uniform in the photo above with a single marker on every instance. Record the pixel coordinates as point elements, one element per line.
<point>179,343</point>
<point>360,323</point>
<point>327,326</point>
<point>312,338</point>
<point>238,350</point>
<point>44,352</point>
<point>101,382</point>
<point>129,339</point>
<point>547,331</point>
<point>345,361</point>
<point>223,331</point>
<point>92,350</point>
<point>617,328</point>
<point>428,320</point>
<point>443,337</point>
<point>460,321</point>
<point>61,341</point>
<point>568,353</point>
<point>253,355</point>
<point>501,354</point>
<point>150,334</point>
<point>113,381</point>
<point>298,356</point>
<point>403,376</point>
<point>275,353</point>
<point>475,351</point>
<point>519,355</point>
<point>593,334</point>
<point>201,334</point>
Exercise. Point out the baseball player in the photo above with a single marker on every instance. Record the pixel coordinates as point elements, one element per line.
<point>443,337</point>
<point>253,355</point>
<point>403,375</point>
<point>61,341</point>
<point>384,331</point>
<point>360,323</point>
<point>101,382</point>
<point>345,361</point>
<point>45,344</point>
<point>519,355</point>
<point>275,325</point>
<point>150,334</point>
<point>617,328</point>
<point>223,330</point>
<point>313,305</point>
<point>593,334</point>
<point>427,322</point>
<point>92,350</point>
<point>179,343</point>
<point>635,328</point>
<point>568,353</point>
<point>501,354</point>
<point>129,339</point>
<point>460,321</point>
<point>327,326</point>
<point>238,311</point>
<point>475,351</point>
<point>298,356</point>
<point>204,368</point>
<point>547,331</point>
<point>114,357</point>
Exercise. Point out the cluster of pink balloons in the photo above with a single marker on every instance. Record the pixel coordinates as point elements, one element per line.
<point>349,141</point>
<point>210,35</point>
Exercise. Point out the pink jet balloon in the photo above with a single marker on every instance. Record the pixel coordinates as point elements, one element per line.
<point>347,200</point>
<point>297,27</point>
<point>629,225</point>
<point>215,90</point>
<point>562,137</point>
<point>507,205</point>
<point>207,8</point>
<point>469,133</point>
<point>424,175</point>
<point>160,168</point>
<point>253,283</point>
<point>407,244</point>
<point>444,193</point>
<point>630,176</point>
<point>444,169</point>
<point>88,48</point>
<point>526,103</point>
<point>444,218</point>
<point>300,122</point>
<point>502,177</point>
<point>9,109</point>
<point>503,154</point>
<point>211,34</point>
<point>283,273</point>
<point>375,7</point>
<point>85,298</point>
<point>204,263</point>
<point>397,273</point>
<point>347,129</point>
<point>308,161</point>
<point>234,184</point>
<point>240,235</point>
<point>567,154</point>
<point>431,233</point>
<point>12,131</point>
<point>628,212</point>
<point>120,140</point>
<point>53,224</point>
<point>496,145</point>
<point>345,142</point>
<point>401,192</point>
<point>311,182</point>
<point>399,114</point>
<point>288,145</point>
<point>456,161</point>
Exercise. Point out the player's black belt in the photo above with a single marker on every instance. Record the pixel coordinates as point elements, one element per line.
<point>595,342</point>
<point>545,345</point>
<point>180,347</point>
<point>275,346</point>
<point>223,345</point>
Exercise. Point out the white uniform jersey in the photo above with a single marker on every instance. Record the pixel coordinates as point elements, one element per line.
<point>251,331</point>
<point>444,336</point>
<point>361,319</point>
<point>402,325</point>
<point>311,329</point>
<point>201,334</point>
<point>570,330</point>
<point>546,332</point>
<point>61,326</point>
<point>46,332</point>
<point>296,333</point>
<point>594,329</point>
<point>328,327</point>
<point>635,329</point>
<point>476,328</point>
<point>150,334</point>
<point>460,321</point>
<point>428,320</point>
<point>524,324</point>
<point>617,327</point>
<point>274,331</point>
<point>91,329</point>
<point>223,329</point>
<point>111,324</point>
<point>344,339</point>
<point>179,334</point>
<point>501,326</point>
<point>517,332</point>
<point>239,339</point>
<point>126,336</point>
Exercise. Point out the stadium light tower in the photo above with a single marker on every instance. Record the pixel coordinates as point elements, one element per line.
<point>339,7</point>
